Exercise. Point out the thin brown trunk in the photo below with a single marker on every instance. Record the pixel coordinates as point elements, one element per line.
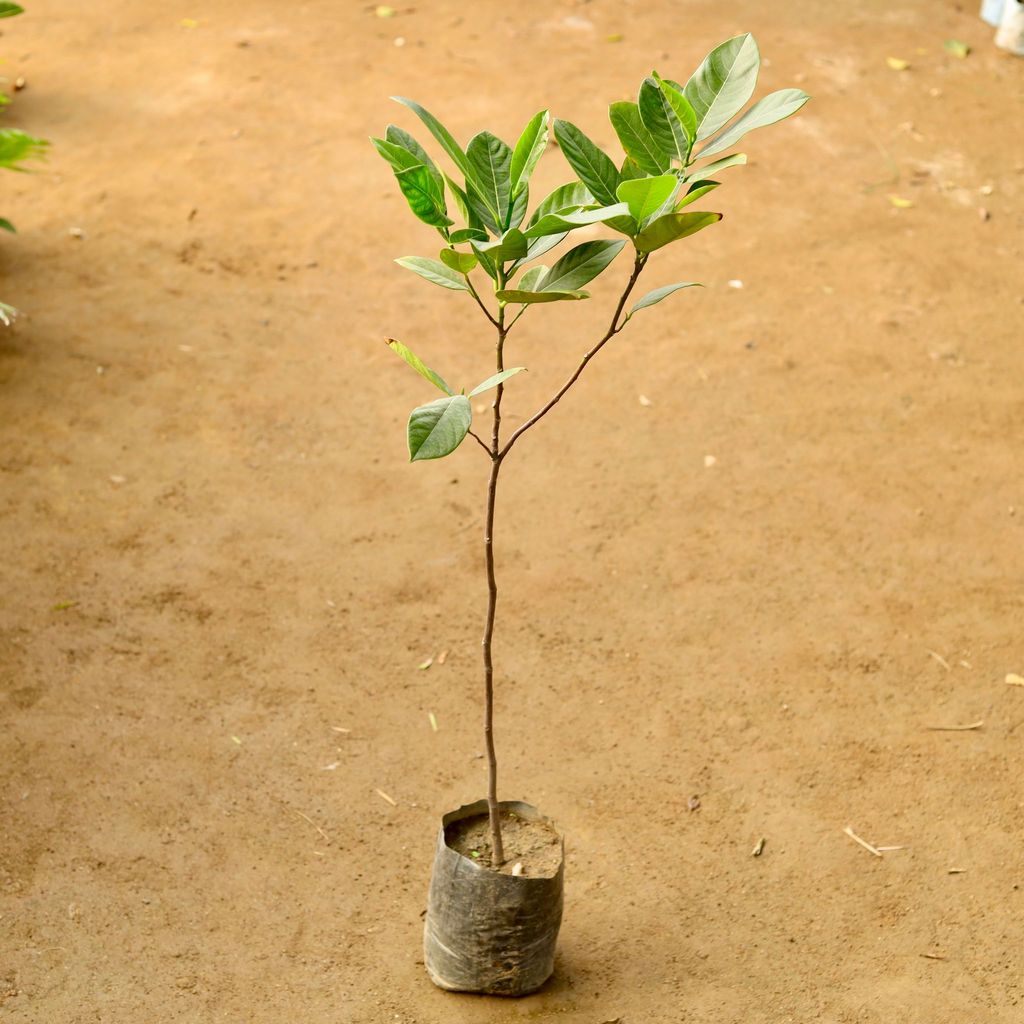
<point>497,850</point>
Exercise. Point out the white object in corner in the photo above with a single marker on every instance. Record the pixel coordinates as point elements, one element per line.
<point>1010,34</point>
<point>992,11</point>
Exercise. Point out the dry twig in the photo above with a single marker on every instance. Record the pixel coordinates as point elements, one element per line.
<point>857,839</point>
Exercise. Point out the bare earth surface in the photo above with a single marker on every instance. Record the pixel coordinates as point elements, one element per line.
<point>215,557</point>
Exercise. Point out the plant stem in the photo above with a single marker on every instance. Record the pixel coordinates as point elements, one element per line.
<point>497,848</point>
<point>497,454</point>
<point>638,265</point>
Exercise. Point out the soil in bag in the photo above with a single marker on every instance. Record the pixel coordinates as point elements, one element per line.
<point>534,845</point>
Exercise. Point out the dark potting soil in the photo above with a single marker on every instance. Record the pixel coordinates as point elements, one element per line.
<point>534,844</point>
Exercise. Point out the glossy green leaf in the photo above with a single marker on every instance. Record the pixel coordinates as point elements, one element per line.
<point>516,295</point>
<point>487,264</point>
<point>635,139</point>
<point>529,149</point>
<point>481,212</point>
<point>561,222</point>
<point>423,189</point>
<point>681,116</point>
<point>491,160</point>
<point>511,246</point>
<point>438,428</point>
<point>9,10</point>
<point>418,365</point>
<point>6,225</point>
<point>565,198</point>
<point>399,137</point>
<point>443,136</point>
<point>434,271</point>
<point>417,186</point>
<point>723,83</point>
<point>467,235</point>
<point>717,165</point>
<point>494,381</point>
<point>531,280</point>
<point>520,204</point>
<point>539,246</point>
<point>630,170</point>
<point>645,196</point>
<point>592,165</point>
<point>671,227</point>
<point>624,225</point>
<point>696,191</point>
<point>460,262</point>
<point>654,297</point>
<point>774,107</point>
<point>653,112</point>
<point>473,221</point>
<point>580,265</point>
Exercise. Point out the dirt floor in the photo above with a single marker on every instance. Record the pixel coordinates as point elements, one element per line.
<point>220,784</point>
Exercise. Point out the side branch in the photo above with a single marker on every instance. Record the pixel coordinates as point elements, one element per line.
<point>476,437</point>
<point>479,302</point>
<point>613,329</point>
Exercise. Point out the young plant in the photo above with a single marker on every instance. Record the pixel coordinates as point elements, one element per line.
<point>668,136</point>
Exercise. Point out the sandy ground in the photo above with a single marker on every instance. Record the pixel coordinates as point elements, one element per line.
<point>216,557</point>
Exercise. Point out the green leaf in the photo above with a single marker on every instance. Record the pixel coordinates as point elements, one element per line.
<point>565,198</point>
<point>516,295</point>
<point>423,189</point>
<point>468,235</point>
<point>6,225</point>
<point>529,150</point>
<point>482,213</point>
<point>8,314</point>
<point>645,196</point>
<point>554,223</point>
<point>460,262</point>
<point>8,10</point>
<point>493,382</point>
<point>443,136</point>
<point>774,107</point>
<point>672,226</point>
<point>630,170</point>
<point>438,428</point>
<point>718,165</point>
<point>580,265</point>
<point>398,137</point>
<point>593,166</point>
<point>635,139</point>
<point>723,83</point>
<point>418,365</point>
<point>511,246</point>
<point>17,146</point>
<point>681,117</point>
<point>668,117</point>
<point>539,246</point>
<point>530,281</point>
<point>697,190</point>
<point>624,225</point>
<point>652,106</point>
<point>473,209</point>
<point>491,160</point>
<point>520,204</point>
<point>434,272</point>
<point>488,267</point>
<point>654,297</point>
<point>417,186</point>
